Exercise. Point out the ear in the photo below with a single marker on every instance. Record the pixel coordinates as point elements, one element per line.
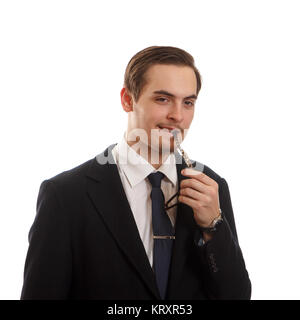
<point>126,100</point>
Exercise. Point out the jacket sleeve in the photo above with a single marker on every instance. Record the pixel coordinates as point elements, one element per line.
<point>226,276</point>
<point>47,272</point>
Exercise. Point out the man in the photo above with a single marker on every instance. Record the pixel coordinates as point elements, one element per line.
<point>102,230</point>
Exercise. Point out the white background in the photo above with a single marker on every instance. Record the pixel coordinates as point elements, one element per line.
<point>61,72</point>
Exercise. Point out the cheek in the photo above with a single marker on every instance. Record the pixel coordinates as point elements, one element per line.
<point>150,114</point>
<point>189,117</point>
<point>142,115</point>
<point>155,115</point>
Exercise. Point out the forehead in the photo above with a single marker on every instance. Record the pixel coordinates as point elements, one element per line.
<point>180,80</point>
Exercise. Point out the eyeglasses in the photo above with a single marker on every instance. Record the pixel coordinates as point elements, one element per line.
<point>188,162</point>
<point>167,204</point>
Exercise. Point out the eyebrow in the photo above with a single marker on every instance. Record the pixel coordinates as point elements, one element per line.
<point>166,93</point>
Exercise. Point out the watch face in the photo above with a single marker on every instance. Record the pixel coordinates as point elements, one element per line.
<point>217,220</point>
<point>214,224</point>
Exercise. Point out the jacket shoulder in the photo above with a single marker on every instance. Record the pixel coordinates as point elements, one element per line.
<point>72,177</point>
<point>211,173</point>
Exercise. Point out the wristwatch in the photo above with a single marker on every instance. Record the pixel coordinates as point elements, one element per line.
<point>213,226</point>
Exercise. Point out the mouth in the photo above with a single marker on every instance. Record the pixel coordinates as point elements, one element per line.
<point>166,128</point>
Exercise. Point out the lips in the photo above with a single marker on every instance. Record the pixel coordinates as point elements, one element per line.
<point>165,127</point>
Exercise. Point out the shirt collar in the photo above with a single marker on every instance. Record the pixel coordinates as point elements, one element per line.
<point>136,168</point>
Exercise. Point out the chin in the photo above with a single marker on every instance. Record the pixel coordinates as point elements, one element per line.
<point>167,147</point>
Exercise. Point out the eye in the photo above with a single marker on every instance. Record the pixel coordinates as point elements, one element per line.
<point>189,103</point>
<point>161,99</point>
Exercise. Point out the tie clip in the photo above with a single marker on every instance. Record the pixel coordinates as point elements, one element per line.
<point>164,237</point>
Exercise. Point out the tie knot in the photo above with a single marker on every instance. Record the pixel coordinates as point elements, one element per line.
<point>155,179</point>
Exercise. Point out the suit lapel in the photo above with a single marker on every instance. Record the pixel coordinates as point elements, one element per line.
<point>106,191</point>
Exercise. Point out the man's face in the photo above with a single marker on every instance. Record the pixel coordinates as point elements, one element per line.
<point>166,101</point>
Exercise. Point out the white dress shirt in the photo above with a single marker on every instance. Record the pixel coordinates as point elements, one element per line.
<point>133,170</point>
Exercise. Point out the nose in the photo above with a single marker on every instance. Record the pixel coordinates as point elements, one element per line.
<point>176,113</point>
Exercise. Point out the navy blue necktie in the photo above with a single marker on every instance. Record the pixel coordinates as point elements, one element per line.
<point>163,234</point>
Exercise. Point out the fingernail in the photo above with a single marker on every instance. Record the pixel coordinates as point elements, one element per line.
<point>190,171</point>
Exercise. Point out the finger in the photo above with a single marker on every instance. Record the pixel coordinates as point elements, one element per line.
<point>200,176</point>
<point>193,194</point>
<point>188,201</point>
<point>194,184</point>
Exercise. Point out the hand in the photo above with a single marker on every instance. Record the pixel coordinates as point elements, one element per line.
<point>200,192</point>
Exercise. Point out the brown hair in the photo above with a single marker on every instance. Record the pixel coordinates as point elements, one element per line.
<point>134,79</point>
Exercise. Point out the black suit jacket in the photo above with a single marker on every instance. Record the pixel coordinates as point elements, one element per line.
<point>84,244</point>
